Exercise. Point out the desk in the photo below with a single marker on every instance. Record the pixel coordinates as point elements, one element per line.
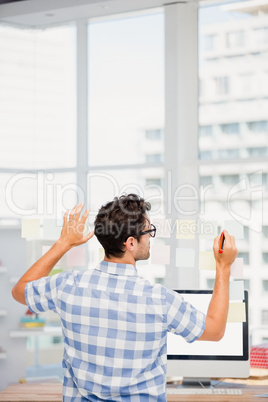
<point>39,392</point>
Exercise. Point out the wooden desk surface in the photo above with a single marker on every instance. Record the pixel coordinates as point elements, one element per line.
<point>39,392</point>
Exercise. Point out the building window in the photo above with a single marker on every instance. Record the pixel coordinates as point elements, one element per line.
<point>265,231</point>
<point>258,126</point>
<point>154,158</point>
<point>209,42</point>
<point>205,131</point>
<point>245,257</point>
<point>261,35</point>
<point>264,317</point>
<point>206,181</point>
<point>234,39</point>
<point>222,85</point>
<point>205,155</point>
<point>230,179</point>
<point>154,182</point>
<point>265,286</point>
<point>265,258</point>
<point>154,134</point>
<point>231,128</point>
<point>247,284</point>
<point>228,153</point>
<point>210,283</point>
<point>257,152</point>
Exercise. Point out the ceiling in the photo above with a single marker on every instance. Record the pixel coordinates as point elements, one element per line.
<point>42,13</point>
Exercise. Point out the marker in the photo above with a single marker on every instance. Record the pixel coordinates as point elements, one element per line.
<point>221,243</point>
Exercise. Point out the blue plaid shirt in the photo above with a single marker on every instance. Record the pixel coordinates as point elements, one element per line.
<point>115,328</point>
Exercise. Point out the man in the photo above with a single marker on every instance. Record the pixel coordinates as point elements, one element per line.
<point>114,323</point>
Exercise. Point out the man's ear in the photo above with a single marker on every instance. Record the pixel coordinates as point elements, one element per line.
<point>130,243</point>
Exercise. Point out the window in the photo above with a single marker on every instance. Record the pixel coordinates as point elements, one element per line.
<point>222,85</point>
<point>261,35</point>
<point>247,284</point>
<point>126,89</point>
<point>265,231</point>
<point>245,84</point>
<point>154,158</point>
<point>205,155</point>
<point>209,42</point>
<point>230,179</point>
<point>234,39</point>
<point>206,181</point>
<point>265,258</point>
<point>154,134</point>
<point>210,283</point>
<point>264,317</point>
<point>228,153</point>
<point>38,86</point>
<point>205,131</point>
<point>154,182</point>
<point>257,152</point>
<point>245,257</point>
<point>265,286</point>
<point>258,126</point>
<point>231,129</point>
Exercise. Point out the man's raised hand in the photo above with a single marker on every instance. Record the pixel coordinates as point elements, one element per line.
<point>72,233</point>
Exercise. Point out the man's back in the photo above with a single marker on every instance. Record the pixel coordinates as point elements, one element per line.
<point>114,333</point>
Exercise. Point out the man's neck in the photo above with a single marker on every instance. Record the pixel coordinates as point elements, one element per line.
<point>124,260</point>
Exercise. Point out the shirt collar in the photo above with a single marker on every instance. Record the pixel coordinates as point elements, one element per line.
<point>117,268</point>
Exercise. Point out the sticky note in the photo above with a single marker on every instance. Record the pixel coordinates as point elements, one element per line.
<point>160,254</point>
<point>236,290</point>
<point>237,312</point>
<point>186,229</point>
<point>235,229</point>
<point>101,254</point>
<point>163,227</point>
<point>30,228</point>
<point>51,230</point>
<point>206,260</point>
<point>55,271</point>
<point>185,257</point>
<point>61,262</point>
<point>237,268</point>
<point>76,256</point>
<point>208,229</point>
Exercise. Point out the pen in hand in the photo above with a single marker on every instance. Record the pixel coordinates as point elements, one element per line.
<point>222,238</point>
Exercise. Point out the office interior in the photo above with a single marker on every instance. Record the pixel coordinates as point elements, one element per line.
<point>165,99</point>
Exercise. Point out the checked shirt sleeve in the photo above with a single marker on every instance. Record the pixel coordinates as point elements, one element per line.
<point>41,295</point>
<point>182,318</point>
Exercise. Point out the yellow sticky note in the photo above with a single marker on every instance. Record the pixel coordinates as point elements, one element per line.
<point>101,254</point>
<point>237,312</point>
<point>207,260</point>
<point>186,229</point>
<point>30,228</point>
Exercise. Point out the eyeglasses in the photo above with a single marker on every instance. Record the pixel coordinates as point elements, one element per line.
<point>151,232</point>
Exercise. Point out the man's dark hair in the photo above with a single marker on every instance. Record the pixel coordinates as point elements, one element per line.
<point>119,219</point>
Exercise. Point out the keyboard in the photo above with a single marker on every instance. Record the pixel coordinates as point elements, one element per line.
<point>204,391</point>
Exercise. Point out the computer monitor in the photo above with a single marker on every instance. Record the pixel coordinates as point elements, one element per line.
<point>228,358</point>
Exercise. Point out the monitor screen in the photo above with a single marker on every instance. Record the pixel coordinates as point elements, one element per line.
<point>206,359</point>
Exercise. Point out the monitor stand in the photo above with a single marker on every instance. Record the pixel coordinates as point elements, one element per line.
<point>189,382</point>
